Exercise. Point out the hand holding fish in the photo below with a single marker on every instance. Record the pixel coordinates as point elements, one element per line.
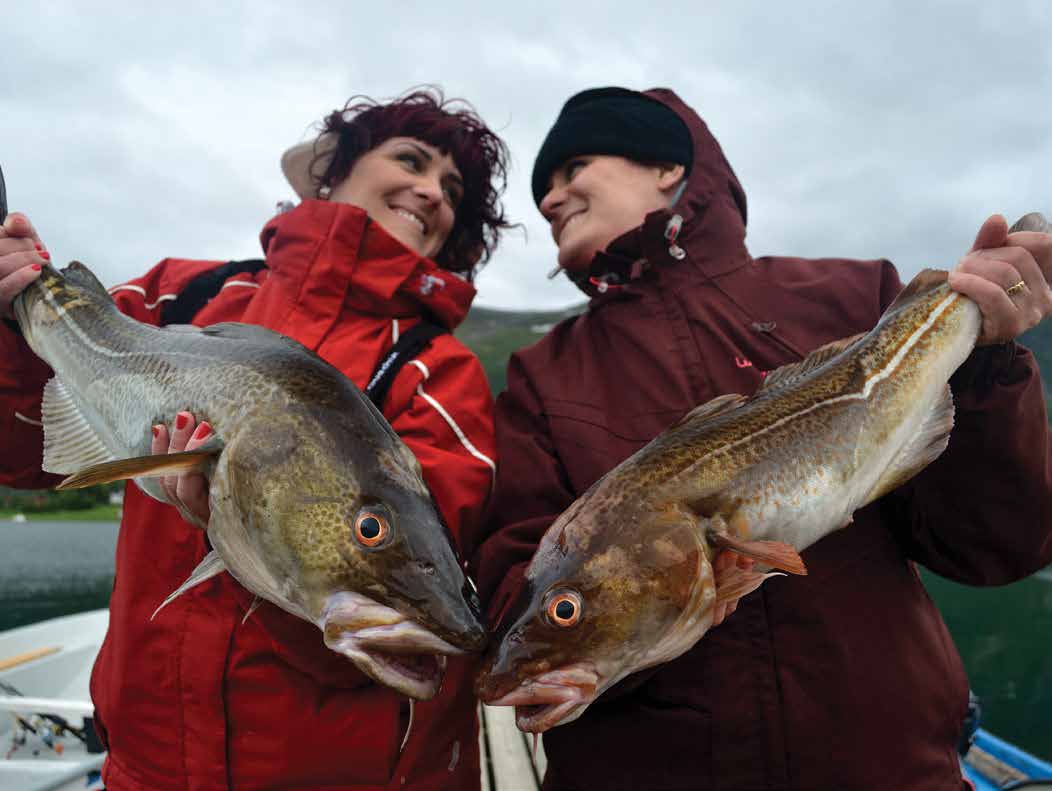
<point>188,492</point>
<point>20,251</point>
<point>1007,275</point>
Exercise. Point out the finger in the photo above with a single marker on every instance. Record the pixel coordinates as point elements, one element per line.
<point>1039,245</point>
<point>181,432</point>
<point>192,488</point>
<point>719,612</point>
<point>992,233</point>
<point>158,445</point>
<point>14,284</point>
<point>178,436</point>
<point>1002,319</point>
<point>18,225</point>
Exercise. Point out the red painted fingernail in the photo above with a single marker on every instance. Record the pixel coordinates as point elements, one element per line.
<point>38,246</point>
<point>203,430</point>
<point>45,255</point>
<point>181,420</point>
<point>156,430</point>
<point>35,267</point>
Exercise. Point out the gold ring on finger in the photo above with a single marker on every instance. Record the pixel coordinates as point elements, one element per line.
<point>1018,288</point>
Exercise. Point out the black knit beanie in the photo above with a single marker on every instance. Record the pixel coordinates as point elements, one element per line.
<point>613,121</point>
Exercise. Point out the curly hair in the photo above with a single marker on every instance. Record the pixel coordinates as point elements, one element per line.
<point>453,127</point>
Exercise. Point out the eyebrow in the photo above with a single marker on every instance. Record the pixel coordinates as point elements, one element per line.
<point>427,155</point>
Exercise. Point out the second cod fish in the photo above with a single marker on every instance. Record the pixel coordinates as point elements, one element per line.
<point>316,504</point>
<point>623,579</point>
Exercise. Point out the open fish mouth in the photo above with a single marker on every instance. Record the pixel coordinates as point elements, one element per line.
<point>552,698</point>
<point>386,645</point>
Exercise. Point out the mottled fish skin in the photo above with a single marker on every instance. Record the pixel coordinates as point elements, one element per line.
<point>790,464</point>
<point>303,452</point>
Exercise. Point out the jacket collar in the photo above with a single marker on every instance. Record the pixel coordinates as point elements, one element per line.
<point>336,252</point>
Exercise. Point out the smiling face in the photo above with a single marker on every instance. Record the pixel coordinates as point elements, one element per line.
<point>408,186</point>
<point>592,200</point>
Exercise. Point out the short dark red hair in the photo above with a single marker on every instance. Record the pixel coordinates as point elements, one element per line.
<point>453,127</point>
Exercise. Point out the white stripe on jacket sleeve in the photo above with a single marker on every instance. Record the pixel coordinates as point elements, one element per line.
<point>468,445</point>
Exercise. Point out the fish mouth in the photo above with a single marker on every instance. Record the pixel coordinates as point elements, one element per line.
<point>385,645</point>
<point>550,699</point>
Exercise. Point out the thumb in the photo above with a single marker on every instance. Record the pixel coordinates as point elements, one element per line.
<point>993,233</point>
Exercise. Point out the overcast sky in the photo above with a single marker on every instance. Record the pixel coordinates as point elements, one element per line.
<point>870,130</point>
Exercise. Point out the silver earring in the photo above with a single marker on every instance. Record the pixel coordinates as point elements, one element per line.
<point>324,192</point>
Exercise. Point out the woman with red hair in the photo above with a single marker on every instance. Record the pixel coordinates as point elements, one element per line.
<point>399,208</point>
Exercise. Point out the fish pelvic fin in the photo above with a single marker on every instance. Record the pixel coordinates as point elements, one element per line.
<point>211,566</point>
<point>70,442</point>
<point>145,466</point>
<point>775,554</point>
<point>931,439</point>
<point>734,583</point>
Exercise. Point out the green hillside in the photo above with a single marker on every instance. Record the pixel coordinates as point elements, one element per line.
<point>494,334</point>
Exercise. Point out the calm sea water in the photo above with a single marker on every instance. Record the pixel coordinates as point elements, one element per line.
<point>1004,634</point>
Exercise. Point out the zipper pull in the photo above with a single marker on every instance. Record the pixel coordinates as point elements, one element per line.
<point>671,234</point>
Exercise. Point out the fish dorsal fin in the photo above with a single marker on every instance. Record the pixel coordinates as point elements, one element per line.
<point>70,443</point>
<point>79,275</point>
<point>196,460</point>
<point>930,440</point>
<point>211,566</point>
<point>793,372</point>
<point>1034,221</point>
<point>248,332</point>
<point>926,281</point>
<point>717,406</point>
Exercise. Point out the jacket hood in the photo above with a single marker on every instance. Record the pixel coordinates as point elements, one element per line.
<point>334,251</point>
<point>712,206</point>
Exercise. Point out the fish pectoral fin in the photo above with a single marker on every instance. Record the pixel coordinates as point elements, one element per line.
<point>775,554</point>
<point>145,466</point>
<point>733,583</point>
<point>70,442</point>
<point>206,569</point>
<point>931,439</point>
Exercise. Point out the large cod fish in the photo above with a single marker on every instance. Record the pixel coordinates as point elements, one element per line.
<point>623,579</point>
<point>316,504</point>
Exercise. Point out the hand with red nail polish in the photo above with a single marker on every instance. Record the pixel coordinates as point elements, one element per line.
<point>187,492</point>
<point>20,257</point>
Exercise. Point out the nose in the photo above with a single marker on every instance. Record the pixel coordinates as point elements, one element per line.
<point>551,202</point>
<point>429,189</point>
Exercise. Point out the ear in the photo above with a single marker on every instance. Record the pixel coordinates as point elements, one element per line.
<point>669,176</point>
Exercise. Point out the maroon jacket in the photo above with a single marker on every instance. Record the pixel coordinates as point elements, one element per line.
<point>846,678</point>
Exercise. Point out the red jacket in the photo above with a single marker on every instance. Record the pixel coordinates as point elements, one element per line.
<point>846,678</point>
<point>196,699</point>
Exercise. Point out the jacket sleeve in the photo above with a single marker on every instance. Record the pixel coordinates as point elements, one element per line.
<point>532,490</point>
<point>22,379</point>
<point>442,408</point>
<point>982,512</point>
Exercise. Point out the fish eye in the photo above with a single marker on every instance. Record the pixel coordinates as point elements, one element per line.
<point>371,528</point>
<point>564,608</point>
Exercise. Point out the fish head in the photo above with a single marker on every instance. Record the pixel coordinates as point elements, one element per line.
<point>605,596</point>
<point>357,546</point>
